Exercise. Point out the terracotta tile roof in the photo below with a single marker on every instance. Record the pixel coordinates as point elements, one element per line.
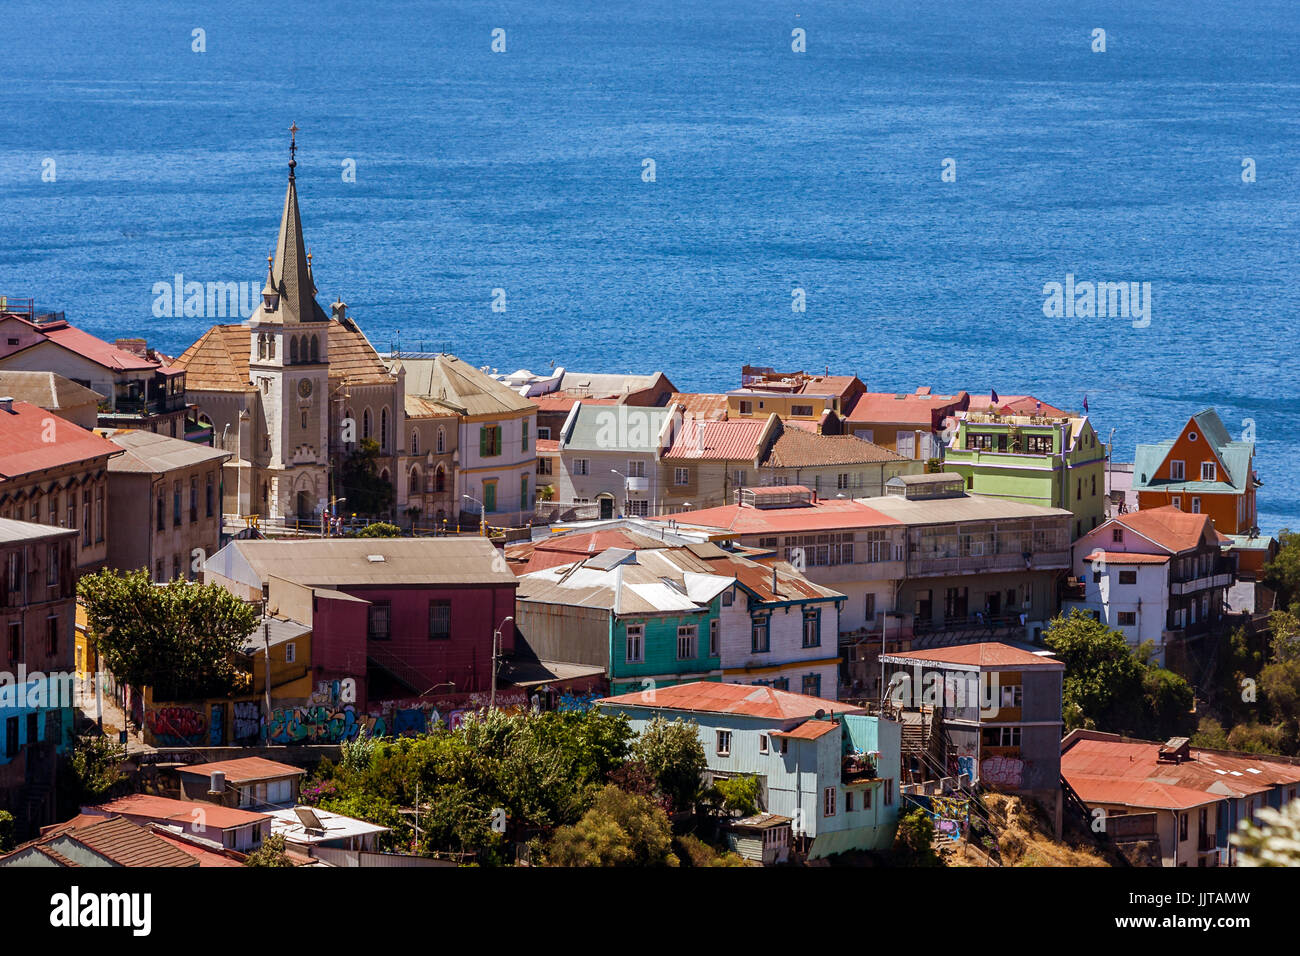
<point>548,446</point>
<point>243,769</point>
<point>1015,405</point>
<point>797,448</point>
<point>1127,557</point>
<point>1169,527</point>
<point>735,440</point>
<point>24,448</point>
<point>701,404</point>
<point>218,361</point>
<point>146,806</point>
<point>206,857</point>
<point>116,838</point>
<point>750,700</point>
<point>900,408</point>
<point>984,654</point>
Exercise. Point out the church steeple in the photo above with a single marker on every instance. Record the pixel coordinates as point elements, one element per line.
<point>290,276</point>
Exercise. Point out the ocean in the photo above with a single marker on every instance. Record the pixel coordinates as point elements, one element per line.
<point>133,149</point>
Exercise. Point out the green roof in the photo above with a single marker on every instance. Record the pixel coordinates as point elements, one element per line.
<point>614,428</point>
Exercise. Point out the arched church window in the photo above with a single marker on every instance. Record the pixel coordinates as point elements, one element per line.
<point>365,423</point>
<point>293,351</point>
<point>415,442</point>
<point>315,349</point>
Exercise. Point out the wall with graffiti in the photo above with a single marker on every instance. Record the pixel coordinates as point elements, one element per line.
<point>328,716</point>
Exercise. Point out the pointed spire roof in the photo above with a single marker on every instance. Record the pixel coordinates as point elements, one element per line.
<point>291,268</point>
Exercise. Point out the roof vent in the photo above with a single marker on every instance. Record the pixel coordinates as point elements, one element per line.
<point>375,558</point>
<point>7,404</point>
<point>217,783</point>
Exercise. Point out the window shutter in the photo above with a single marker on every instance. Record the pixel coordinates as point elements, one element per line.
<point>482,441</point>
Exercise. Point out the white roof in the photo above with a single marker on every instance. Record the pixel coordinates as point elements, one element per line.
<point>337,826</point>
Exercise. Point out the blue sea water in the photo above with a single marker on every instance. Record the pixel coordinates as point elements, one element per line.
<point>774,170</point>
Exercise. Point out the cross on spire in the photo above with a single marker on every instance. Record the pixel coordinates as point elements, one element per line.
<point>293,148</point>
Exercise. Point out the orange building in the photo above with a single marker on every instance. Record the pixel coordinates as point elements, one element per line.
<point>1202,471</point>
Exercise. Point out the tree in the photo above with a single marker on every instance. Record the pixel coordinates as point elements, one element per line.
<point>1282,574</point>
<point>180,638</point>
<point>379,529</point>
<point>1103,686</point>
<point>914,840</point>
<point>6,831</point>
<point>270,853</point>
<point>366,490</point>
<point>673,754</point>
<point>738,795</point>
<point>620,829</point>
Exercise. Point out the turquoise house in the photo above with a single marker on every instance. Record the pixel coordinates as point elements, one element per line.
<point>650,618</point>
<point>831,770</point>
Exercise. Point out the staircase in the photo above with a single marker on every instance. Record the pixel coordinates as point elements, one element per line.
<point>385,660</point>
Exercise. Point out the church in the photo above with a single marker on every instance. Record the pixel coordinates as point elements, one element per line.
<point>293,390</point>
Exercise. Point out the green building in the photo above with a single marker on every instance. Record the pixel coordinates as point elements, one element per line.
<point>649,617</point>
<point>1056,462</point>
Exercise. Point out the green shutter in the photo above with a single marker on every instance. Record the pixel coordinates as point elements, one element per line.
<point>482,441</point>
<point>490,497</point>
<point>525,434</point>
<point>523,492</point>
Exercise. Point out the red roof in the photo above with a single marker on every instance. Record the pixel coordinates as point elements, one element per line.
<point>563,401</point>
<point>25,448</point>
<point>1137,793</point>
<point>146,806</point>
<point>825,515</point>
<point>1127,557</point>
<point>893,408</point>
<point>809,730</point>
<point>1168,527</point>
<point>97,350</point>
<point>735,440</point>
<point>243,769</point>
<point>700,404</point>
<point>1015,405</point>
<point>566,548</point>
<point>205,856</point>
<point>749,700</point>
<point>984,654</point>
<point>548,446</point>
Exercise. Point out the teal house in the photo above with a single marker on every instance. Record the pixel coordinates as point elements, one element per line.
<point>828,771</point>
<point>650,618</point>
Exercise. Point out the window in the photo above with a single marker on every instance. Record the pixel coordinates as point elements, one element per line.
<point>377,626</point>
<point>415,442</point>
<point>85,518</point>
<point>889,791</point>
<point>638,507</point>
<point>1191,436</point>
<point>687,642</point>
<point>439,620</point>
<point>162,512</point>
<point>842,480</point>
<point>738,478</point>
<point>176,504</point>
<point>812,627</point>
<point>15,641</point>
<point>543,433</point>
<point>1128,577</point>
<point>636,468</point>
<point>681,476</point>
<point>978,442</point>
<point>489,441</point>
<point>724,743</point>
<point>869,608</point>
<point>1011,695</point>
<point>1001,736</point>
<point>1196,505</point>
<point>290,653</point>
<point>812,685</point>
<point>762,743</point>
<point>209,496</point>
<point>544,466</point>
<point>176,567</point>
<point>848,801</point>
<point>746,408</point>
<point>728,597</point>
<point>1182,827</point>
<point>52,566</point>
<point>489,496</point>
<point>1117,535</point>
<point>581,466</point>
<point>1176,501</point>
<point>713,637</point>
<point>194,499</point>
<point>523,492</point>
<point>635,643</point>
<point>365,423</point>
<point>828,802</point>
<point>1039,444</point>
<point>383,428</point>
<point>801,411</point>
<point>524,439</point>
<point>1176,470</point>
<point>1094,486</point>
<point>760,634</point>
<point>52,635</point>
<point>442,440</point>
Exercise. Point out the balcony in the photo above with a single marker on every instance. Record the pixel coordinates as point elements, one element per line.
<point>937,565</point>
<point>638,484</point>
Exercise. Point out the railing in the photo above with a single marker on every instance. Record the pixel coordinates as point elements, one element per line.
<point>947,564</point>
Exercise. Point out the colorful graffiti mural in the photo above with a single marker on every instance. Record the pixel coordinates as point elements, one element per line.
<point>176,726</point>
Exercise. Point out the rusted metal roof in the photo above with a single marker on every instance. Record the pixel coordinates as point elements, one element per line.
<point>243,769</point>
<point>990,654</point>
<point>25,447</point>
<point>715,697</point>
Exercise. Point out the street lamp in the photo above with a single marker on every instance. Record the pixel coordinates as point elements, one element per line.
<point>496,653</point>
<point>482,513</point>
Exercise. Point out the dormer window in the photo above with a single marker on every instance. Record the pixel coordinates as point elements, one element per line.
<point>270,301</point>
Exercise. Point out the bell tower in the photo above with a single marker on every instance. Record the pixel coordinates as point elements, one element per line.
<point>289,366</point>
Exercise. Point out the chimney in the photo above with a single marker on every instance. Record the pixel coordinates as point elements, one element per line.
<point>7,404</point>
<point>217,783</point>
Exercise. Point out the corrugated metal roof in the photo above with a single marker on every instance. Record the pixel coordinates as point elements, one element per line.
<point>340,562</point>
<point>245,768</point>
<point>989,654</point>
<point>151,453</point>
<point>615,428</point>
<point>716,697</point>
<point>25,446</point>
<point>179,811</point>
